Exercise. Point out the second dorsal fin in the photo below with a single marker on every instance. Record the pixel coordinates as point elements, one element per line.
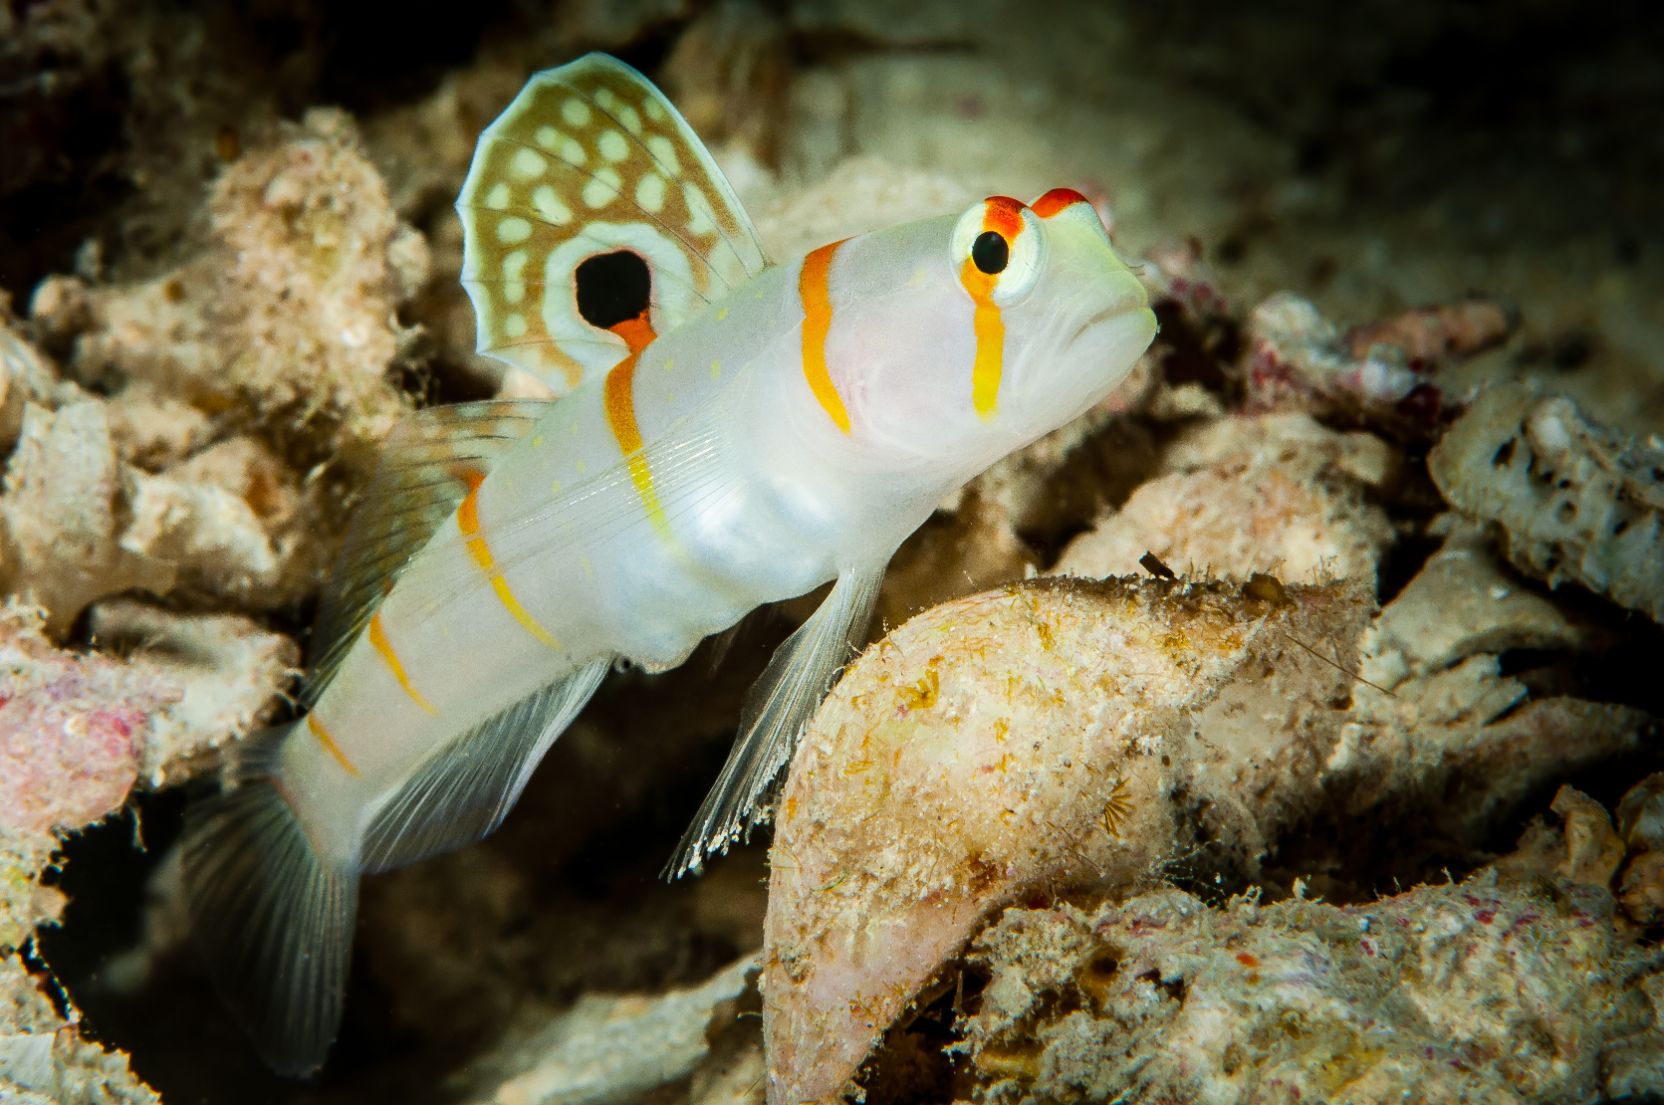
<point>590,197</point>
<point>416,486</point>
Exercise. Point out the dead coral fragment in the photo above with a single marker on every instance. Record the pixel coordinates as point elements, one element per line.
<point>1383,372</point>
<point>292,312</point>
<point>1016,741</point>
<point>81,525</point>
<point>1571,499</point>
<point>1492,990</point>
<point>77,731</point>
<point>1276,492</point>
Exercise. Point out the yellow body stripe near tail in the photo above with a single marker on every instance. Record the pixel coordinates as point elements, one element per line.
<point>384,649</point>
<point>318,730</point>
<point>468,521</point>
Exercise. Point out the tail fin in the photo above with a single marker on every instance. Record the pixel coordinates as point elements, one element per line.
<point>273,919</point>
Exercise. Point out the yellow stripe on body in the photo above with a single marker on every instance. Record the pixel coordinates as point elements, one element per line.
<point>318,730</point>
<point>620,403</point>
<point>812,288</point>
<point>468,521</point>
<point>384,649</point>
<point>1002,215</point>
<point>989,329</point>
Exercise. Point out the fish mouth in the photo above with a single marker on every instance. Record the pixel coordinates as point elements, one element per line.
<point>1122,313</point>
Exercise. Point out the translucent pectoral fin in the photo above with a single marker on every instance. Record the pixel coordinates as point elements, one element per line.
<point>776,711</point>
<point>465,789</point>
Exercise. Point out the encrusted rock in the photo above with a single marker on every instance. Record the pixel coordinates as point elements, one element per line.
<point>1031,738</point>
<point>1570,500</point>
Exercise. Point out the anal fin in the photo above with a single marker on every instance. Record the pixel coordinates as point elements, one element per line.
<point>465,789</point>
<point>777,709</point>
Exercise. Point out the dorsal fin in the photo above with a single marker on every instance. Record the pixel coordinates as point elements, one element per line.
<point>591,161</point>
<point>416,486</point>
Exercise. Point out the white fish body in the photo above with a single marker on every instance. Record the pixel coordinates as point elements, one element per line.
<point>736,434</point>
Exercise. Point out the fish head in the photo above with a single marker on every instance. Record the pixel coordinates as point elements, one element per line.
<point>1003,324</point>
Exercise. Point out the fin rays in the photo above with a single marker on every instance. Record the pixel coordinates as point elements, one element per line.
<point>776,711</point>
<point>590,158</point>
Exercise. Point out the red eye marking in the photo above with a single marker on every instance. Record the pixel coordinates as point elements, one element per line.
<point>1056,200</point>
<point>1004,215</point>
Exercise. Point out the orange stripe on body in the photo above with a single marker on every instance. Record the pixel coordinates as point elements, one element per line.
<point>1003,215</point>
<point>812,281</point>
<point>618,397</point>
<point>329,744</point>
<point>468,521</point>
<point>384,649</point>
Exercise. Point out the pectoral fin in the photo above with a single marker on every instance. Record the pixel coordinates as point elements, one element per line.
<point>776,711</point>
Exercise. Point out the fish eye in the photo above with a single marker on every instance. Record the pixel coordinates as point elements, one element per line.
<point>999,250</point>
<point>990,252</point>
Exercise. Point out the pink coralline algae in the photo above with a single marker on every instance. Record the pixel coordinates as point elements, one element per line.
<point>69,739</point>
<point>1385,372</point>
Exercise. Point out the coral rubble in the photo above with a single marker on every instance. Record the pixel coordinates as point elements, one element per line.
<point>1571,500</point>
<point>1230,833</point>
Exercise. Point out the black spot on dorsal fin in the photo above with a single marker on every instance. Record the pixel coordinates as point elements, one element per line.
<point>612,287</point>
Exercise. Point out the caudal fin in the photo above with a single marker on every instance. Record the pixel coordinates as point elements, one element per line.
<point>274,921</point>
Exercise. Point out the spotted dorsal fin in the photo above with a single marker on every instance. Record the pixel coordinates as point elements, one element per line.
<point>589,162</point>
<point>416,486</point>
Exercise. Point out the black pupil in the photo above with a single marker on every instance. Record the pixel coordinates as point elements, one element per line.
<point>612,287</point>
<point>990,253</point>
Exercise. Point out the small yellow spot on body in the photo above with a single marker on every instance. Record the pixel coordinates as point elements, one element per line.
<point>548,137</point>
<point>528,163</point>
<point>721,313</point>
<point>654,110</point>
<point>497,198</point>
<point>514,325</point>
<point>920,275</point>
<point>581,467</point>
<point>554,487</point>
<point>662,148</point>
<point>613,146</point>
<point>537,441</point>
<point>669,363</point>
<point>716,369</point>
<point>575,112</point>
<point>572,151</point>
<point>513,230</point>
<point>650,193</point>
<point>549,205</point>
<point>631,118</point>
